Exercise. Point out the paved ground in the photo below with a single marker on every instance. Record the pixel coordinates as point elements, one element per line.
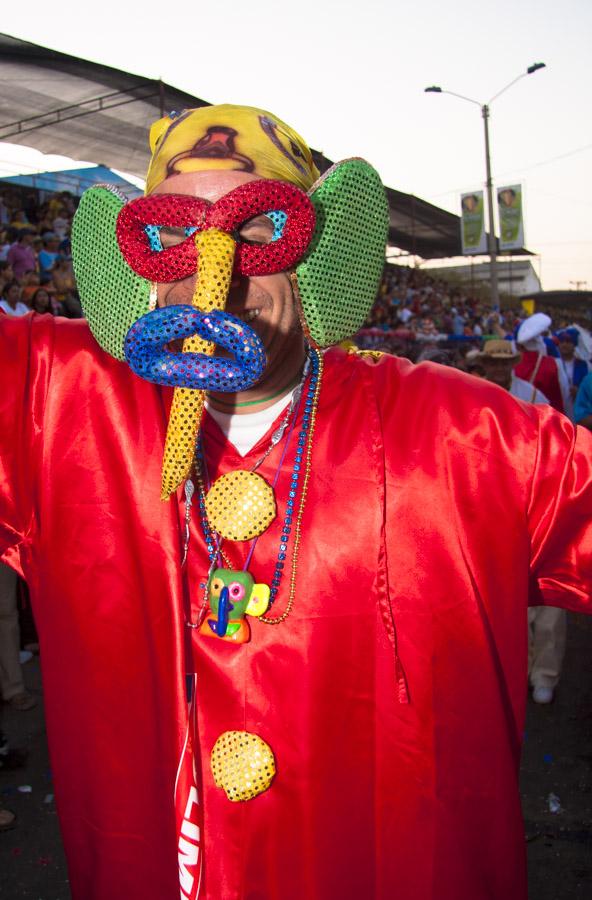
<point>557,760</point>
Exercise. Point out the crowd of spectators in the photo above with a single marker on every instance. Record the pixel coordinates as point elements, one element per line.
<point>35,257</point>
<point>420,317</point>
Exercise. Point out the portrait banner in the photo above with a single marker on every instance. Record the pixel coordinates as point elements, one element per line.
<point>473,224</point>
<point>509,205</point>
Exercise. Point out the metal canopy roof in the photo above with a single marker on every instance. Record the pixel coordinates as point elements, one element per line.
<point>74,180</point>
<point>422,229</point>
<point>60,104</point>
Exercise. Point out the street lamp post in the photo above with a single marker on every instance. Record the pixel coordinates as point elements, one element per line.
<point>491,236</point>
<point>484,107</point>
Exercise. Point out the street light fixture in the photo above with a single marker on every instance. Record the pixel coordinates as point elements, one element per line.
<point>484,107</point>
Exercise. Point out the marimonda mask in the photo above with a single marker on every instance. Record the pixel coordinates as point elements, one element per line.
<point>332,237</point>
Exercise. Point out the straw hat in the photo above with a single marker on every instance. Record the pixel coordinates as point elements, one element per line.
<point>497,349</point>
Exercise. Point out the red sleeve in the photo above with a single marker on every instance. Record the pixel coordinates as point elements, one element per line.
<point>23,379</point>
<point>560,515</point>
<point>552,462</point>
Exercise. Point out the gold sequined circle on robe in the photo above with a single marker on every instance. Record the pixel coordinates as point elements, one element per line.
<point>240,505</point>
<point>242,764</point>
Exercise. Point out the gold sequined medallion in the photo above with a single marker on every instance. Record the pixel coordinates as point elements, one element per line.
<point>242,764</point>
<point>240,505</point>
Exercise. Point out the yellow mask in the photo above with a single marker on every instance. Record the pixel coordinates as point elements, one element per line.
<point>232,138</point>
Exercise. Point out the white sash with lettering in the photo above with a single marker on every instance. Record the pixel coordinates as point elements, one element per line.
<point>188,813</point>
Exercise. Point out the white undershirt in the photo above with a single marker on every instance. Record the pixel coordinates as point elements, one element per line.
<point>243,431</point>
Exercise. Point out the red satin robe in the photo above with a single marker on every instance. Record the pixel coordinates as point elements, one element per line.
<point>436,504</point>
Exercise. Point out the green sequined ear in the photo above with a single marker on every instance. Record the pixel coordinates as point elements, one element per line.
<point>113,297</point>
<point>339,276</point>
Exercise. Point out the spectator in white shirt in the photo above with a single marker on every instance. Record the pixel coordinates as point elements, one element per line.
<point>11,302</point>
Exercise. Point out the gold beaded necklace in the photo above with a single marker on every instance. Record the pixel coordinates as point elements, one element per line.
<point>297,533</point>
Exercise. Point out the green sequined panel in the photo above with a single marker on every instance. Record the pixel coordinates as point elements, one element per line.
<point>339,276</point>
<point>113,297</point>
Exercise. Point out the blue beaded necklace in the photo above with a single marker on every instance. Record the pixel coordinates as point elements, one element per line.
<point>213,541</point>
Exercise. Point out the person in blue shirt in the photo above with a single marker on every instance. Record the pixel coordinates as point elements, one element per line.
<point>583,404</point>
<point>49,254</point>
<point>575,369</point>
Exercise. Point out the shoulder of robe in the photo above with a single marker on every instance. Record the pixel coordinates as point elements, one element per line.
<point>41,339</point>
<point>73,340</point>
<point>73,335</point>
<point>453,400</point>
<point>45,328</point>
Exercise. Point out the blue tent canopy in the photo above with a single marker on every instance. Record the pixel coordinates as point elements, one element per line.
<point>75,180</point>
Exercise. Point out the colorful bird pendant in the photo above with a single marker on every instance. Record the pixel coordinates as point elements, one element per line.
<point>232,595</point>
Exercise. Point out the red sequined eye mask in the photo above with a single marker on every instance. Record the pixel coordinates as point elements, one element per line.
<point>139,223</point>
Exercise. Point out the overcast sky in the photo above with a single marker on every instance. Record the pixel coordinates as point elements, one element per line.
<point>350,77</point>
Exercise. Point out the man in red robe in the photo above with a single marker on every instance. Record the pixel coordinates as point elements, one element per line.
<point>389,680</point>
<point>544,372</point>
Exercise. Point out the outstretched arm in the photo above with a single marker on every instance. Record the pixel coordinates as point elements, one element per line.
<point>20,426</point>
<point>560,516</point>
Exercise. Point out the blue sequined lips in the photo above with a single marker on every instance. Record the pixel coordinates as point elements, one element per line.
<point>145,350</point>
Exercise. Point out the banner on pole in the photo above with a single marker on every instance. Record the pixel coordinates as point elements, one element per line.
<point>509,206</point>
<point>473,224</point>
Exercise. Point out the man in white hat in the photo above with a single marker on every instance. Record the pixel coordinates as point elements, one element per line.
<point>498,359</point>
<point>540,370</point>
